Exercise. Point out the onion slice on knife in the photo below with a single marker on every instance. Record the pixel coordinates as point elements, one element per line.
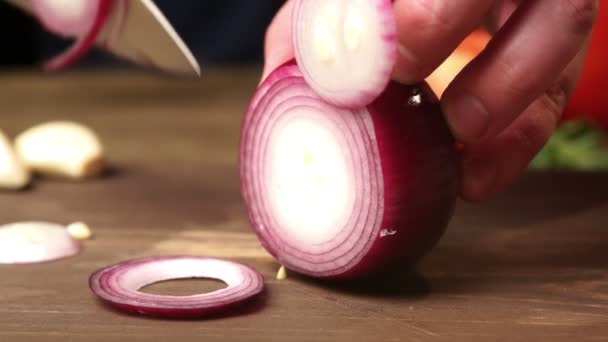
<point>80,19</point>
<point>119,285</point>
<point>35,242</point>
<point>347,49</point>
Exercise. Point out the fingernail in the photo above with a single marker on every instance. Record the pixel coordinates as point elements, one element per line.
<point>276,58</point>
<point>265,73</point>
<point>467,117</point>
<point>479,176</point>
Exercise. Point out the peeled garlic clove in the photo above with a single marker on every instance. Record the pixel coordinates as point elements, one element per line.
<point>282,273</point>
<point>61,149</point>
<point>80,231</point>
<point>14,175</point>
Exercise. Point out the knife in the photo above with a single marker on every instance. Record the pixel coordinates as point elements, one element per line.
<point>138,31</point>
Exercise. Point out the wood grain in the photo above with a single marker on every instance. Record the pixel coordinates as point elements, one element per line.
<point>529,265</point>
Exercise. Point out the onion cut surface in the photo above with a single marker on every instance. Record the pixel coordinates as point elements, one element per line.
<point>35,242</point>
<point>347,49</point>
<point>119,285</point>
<point>336,193</point>
<point>80,19</point>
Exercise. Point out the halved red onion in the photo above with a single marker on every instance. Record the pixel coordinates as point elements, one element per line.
<point>337,193</point>
<point>119,285</point>
<point>347,49</point>
<point>80,19</point>
<point>35,242</point>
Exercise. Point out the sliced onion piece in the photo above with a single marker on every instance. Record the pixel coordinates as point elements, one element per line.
<point>35,242</point>
<point>336,193</point>
<point>347,49</point>
<point>80,19</point>
<point>119,285</point>
<point>67,18</point>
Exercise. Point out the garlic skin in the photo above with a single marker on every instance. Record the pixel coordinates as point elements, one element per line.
<point>61,149</point>
<point>14,175</point>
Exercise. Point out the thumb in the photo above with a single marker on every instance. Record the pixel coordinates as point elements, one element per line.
<point>278,47</point>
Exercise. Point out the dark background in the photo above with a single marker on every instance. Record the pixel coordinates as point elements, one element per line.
<point>218,32</point>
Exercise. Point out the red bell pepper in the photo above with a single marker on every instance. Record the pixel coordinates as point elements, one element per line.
<point>590,100</point>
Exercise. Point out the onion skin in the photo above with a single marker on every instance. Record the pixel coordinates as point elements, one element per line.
<point>420,178</point>
<point>420,168</point>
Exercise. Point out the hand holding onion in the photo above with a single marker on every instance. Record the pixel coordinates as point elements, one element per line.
<point>506,103</point>
<point>345,173</point>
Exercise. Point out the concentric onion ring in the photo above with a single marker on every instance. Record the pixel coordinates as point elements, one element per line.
<point>339,193</point>
<point>119,285</point>
<point>347,49</point>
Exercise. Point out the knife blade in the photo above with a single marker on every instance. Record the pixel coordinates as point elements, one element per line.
<point>138,31</point>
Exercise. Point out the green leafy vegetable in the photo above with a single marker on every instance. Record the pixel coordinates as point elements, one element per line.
<point>576,145</point>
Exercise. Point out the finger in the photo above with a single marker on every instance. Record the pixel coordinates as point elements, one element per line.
<point>537,43</point>
<point>491,165</point>
<point>278,43</point>
<point>500,13</point>
<point>430,30</point>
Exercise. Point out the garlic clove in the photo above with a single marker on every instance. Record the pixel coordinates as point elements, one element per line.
<point>80,231</point>
<point>282,273</point>
<point>62,149</point>
<point>14,175</point>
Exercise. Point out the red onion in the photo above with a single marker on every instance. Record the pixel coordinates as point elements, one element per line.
<point>35,242</point>
<point>337,193</point>
<point>119,285</point>
<point>347,49</point>
<point>81,19</point>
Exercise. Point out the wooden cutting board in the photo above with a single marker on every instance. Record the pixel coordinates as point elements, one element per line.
<point>529,265</point>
